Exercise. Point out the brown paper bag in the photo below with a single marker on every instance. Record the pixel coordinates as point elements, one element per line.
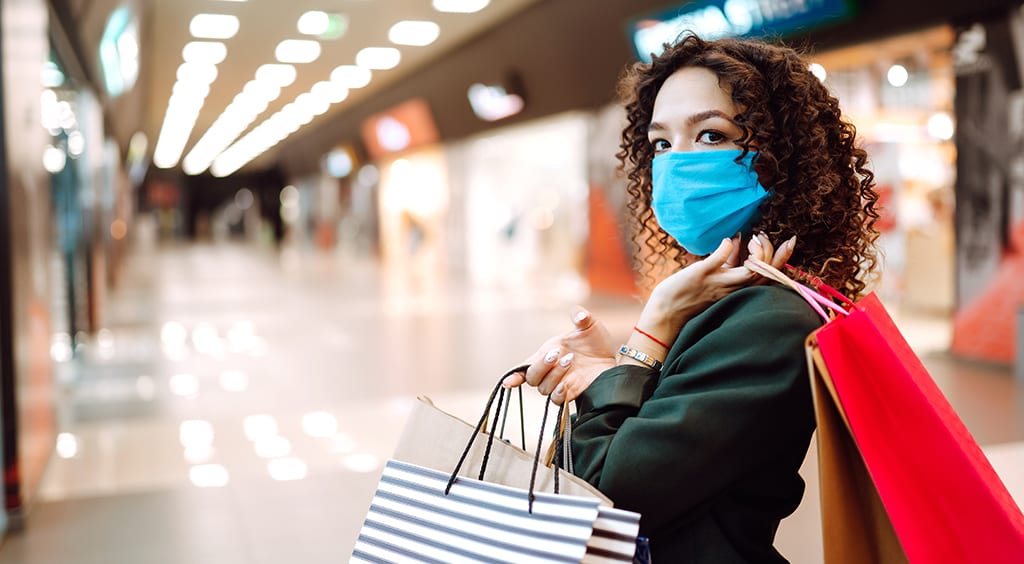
<point>436,439</point>
<point>855,527</point>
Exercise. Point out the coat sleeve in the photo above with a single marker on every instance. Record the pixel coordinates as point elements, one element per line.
<point>733,394</point>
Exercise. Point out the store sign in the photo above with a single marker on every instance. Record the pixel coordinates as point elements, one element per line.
<point>714,19</point>
<point>405,126</point>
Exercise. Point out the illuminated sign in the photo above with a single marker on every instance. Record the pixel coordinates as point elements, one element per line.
<point>405,126</point>
<point>119,52</point>
<point>492,102</point>
<point>713,19</point>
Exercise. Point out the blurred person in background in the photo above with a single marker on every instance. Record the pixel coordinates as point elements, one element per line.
<point>701,420</point>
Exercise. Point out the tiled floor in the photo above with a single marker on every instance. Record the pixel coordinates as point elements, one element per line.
<point>242,402</point>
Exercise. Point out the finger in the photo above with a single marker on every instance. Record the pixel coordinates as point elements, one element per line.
<point>555,375</point>
<point>734,256</point>
<point>755,248</point>
<point>784,253</point>
<point>514,380</point>
<point>558,395</point>
<point>538,371</point>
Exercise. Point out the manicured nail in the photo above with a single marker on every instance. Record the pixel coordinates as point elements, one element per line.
<point>791,242</point>
<point>507,382</point>
<point>579,317</point>
<point>551,356</point>
<point>558,389</point>
<point>565,360</point>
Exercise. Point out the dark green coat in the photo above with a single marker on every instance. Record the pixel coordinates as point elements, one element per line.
<point>708,450</point>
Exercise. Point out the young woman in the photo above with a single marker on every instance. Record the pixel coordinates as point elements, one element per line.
<point>701,420</point>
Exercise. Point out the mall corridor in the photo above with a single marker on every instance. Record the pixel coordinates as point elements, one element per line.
<point>242,401</point>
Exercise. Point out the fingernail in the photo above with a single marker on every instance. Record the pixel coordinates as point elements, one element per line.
<point>755,241</point>
<point>579,317</point>
<point>507,382</point>
<point>551,356</point>
<point>558,389</point>
<point>565,360</point>
<point>791,242</point>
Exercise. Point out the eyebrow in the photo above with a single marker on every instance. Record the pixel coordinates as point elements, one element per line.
<point>694,119</point>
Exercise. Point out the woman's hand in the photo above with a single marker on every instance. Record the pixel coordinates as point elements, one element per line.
<point>683,295</point>
<point>566,365</point>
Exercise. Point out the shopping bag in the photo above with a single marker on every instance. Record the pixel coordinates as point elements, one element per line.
<point>495,504</point>
<point>901,477</point>
<point>412,519</point>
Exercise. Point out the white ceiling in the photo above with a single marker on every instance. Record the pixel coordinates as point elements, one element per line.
<point>264,23</point>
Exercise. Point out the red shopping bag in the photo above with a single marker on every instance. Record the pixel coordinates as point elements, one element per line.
<point>939,491</point>
<point>901,477</point>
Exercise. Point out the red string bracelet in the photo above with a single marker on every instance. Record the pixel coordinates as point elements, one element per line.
<point>651,337</point>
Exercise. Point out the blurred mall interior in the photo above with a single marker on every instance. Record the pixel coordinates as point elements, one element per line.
<point>241,237</point>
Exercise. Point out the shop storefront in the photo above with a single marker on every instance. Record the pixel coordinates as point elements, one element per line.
<point>523,205</point>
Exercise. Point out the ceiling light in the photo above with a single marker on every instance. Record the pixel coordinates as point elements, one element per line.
<point>940,126</point>
<point>261,90</point>
<point>351,76</point>
<point>281,75</point>
<point>314,23</point>
<point>210,52</point>
<point>329,91</point>
<point>460,6</point>
<point>199,73</point>
<point>213,26</point>
<point>191,89</point>
<point>378,58</point>
<point>818,71</point>
<point>297,51</point>
<point>897,75</point>
<point>411,32</point>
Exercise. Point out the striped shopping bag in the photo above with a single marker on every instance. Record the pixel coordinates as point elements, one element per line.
<point>411,519</point>
<point>497,505</point>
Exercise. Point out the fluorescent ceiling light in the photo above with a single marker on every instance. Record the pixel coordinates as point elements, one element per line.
<point>314,23</point>
<point>199,73</point>
<point>192,89</point>
<point>323,25</point>
<point>213,26</point>
<point>332,92</point>
<point>297,51</point>
<point>281,75</point>
<point>460,6</point>
<point>211,52</point>
<point>351,76</point>
<point>261,90</point>
<point>378,58</point>
<point>416,33</point>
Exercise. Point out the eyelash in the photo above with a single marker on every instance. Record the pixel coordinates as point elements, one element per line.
<point>721,138</point>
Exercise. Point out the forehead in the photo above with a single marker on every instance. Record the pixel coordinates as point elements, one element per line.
<point>688,91</point>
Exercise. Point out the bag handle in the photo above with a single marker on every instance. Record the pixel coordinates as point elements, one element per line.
<point>812,297</point>
<point>499,393</point>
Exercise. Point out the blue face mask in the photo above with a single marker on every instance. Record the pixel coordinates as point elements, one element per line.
<point>702,197</point>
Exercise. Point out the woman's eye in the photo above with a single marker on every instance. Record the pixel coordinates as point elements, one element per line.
<point>710,137</point>
<point>660,145</point>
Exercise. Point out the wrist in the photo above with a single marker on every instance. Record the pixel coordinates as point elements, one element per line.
<point>660,321</point>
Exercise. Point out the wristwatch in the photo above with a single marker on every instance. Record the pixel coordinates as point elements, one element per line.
<point>641,356</point>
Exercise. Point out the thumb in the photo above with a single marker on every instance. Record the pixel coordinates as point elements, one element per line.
<point>582,319</point>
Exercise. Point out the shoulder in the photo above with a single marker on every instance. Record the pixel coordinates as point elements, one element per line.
<point>770,305</point>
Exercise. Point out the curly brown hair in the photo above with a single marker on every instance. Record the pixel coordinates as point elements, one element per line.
<point>821,189</point>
